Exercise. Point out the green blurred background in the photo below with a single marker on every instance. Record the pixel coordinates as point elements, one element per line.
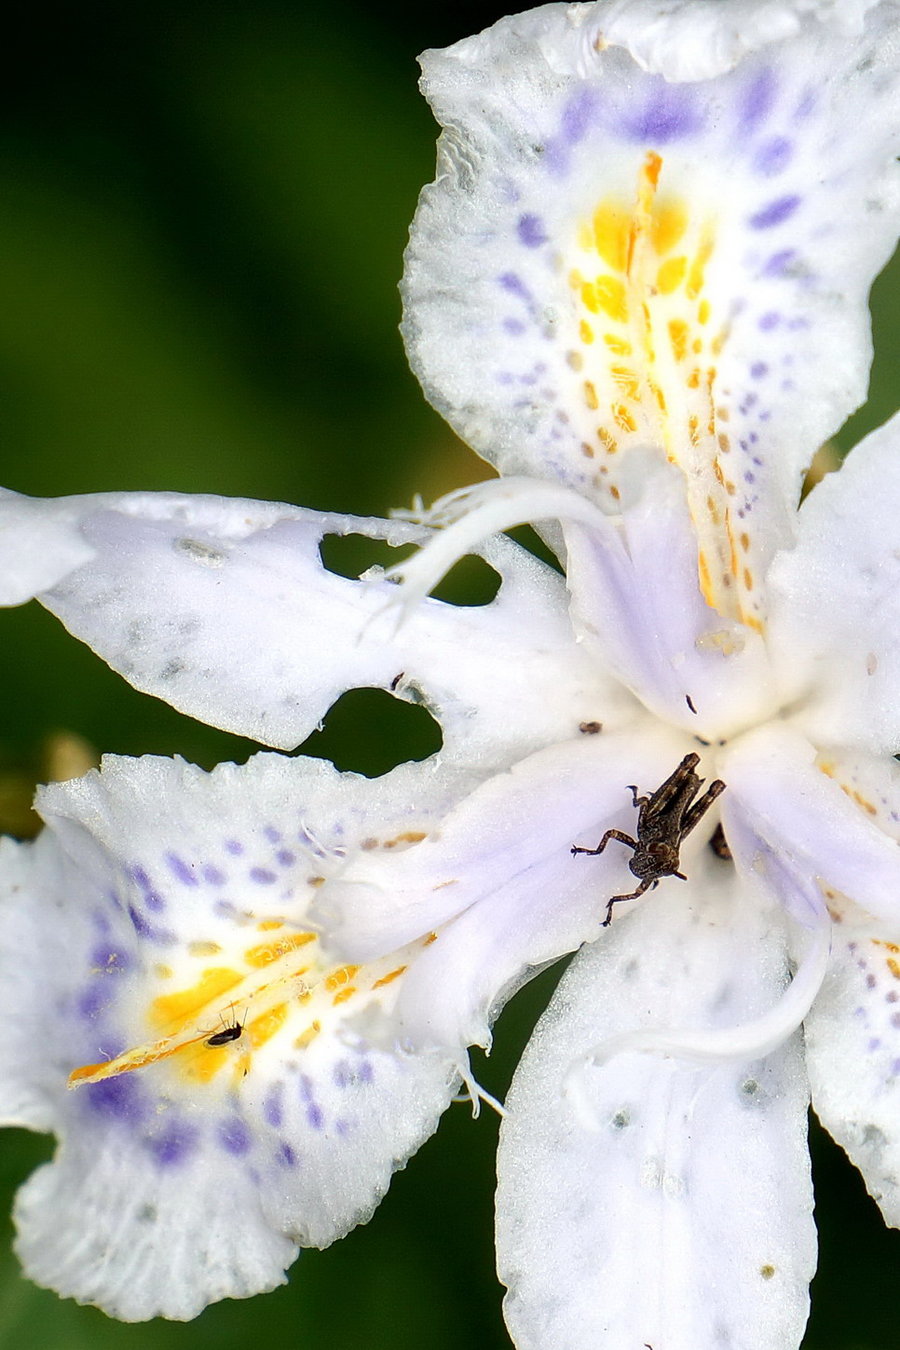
<point>202,216</point>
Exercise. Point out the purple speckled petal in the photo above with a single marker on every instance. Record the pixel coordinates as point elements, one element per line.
<point>679,215</point>
<point>177,1179</point>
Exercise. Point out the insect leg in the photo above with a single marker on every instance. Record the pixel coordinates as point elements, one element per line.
<point>610,834</point>
<point>646,885</point>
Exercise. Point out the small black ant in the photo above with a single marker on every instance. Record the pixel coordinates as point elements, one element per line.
<point>234,1032</point>
<point>665,818</point>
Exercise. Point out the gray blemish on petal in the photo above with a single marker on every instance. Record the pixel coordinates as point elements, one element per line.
<point>758,370</point>
<point>234,847</point>
<point>286,1155</point>
<point>769,321</point>
<point>214,875</point>
<point>139,875</point>
<point>285,857</point>
<point>314,1116</point>
<point>173,1144</point>
<point>198,552</point>
<point>515,327</point>
<point>274,836</point>
<point>774,212</point>
<point>750,1092</point>
<point>234,1136</point>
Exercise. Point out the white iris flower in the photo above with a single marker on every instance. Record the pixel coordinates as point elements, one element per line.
<point>638,287</point>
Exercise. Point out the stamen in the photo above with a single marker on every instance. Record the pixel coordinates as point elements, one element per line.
<point>749,1041</point>
<point>475,1094</point>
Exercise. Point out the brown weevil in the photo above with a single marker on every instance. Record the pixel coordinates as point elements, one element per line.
<point>665,818</point>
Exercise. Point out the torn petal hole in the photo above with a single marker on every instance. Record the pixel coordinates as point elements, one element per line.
<point>370,731</point>
<point>471,582</point>
<point>533,541</point>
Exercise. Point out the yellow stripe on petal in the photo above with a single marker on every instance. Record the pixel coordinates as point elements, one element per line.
<point>221,1017</point>
<point>175,1009</point>
<point>638,274</point>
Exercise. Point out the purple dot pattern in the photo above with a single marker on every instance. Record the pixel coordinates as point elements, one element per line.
<point>774,213</point>
<point>119,1099</point>
<point>182,871</point>
<point>663,117</point>
<point>234,1136</point>
<point>770,153</point>
<point>302,1113</point>
<point>531,231</point>
<point>173,1145</point>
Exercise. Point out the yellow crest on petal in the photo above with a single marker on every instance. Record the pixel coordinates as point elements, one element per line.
<point>649,343</point>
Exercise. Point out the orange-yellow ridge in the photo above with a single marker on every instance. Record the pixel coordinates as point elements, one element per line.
<point>655,256</point>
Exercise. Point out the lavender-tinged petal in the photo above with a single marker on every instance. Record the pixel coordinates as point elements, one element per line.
<point>648,1200</point>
